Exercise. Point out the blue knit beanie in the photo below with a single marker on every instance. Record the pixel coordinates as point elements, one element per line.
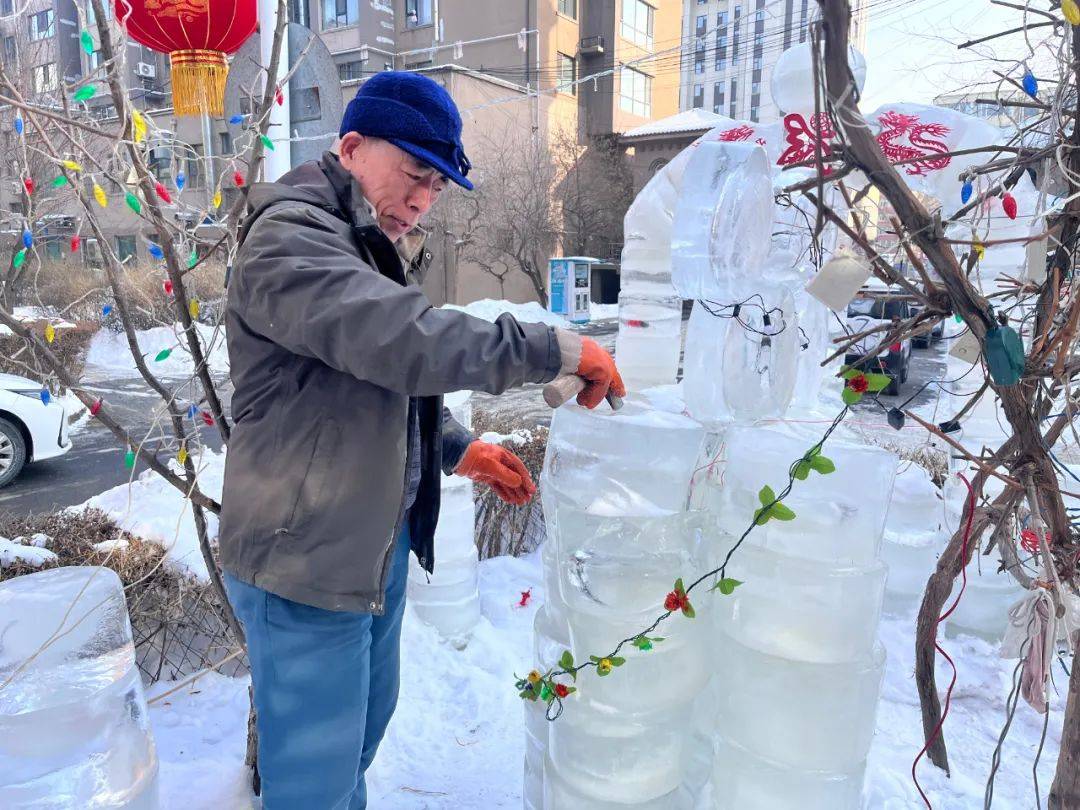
<point>415,114</point>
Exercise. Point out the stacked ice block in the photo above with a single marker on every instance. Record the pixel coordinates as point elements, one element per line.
<point>449,599</point>
<point>915,536</point>
<point>74,730</point>
<point>615,491</point>
<point>798,669</point>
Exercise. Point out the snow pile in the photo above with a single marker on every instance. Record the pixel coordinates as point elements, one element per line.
<point>109,355</point>
<point>153,509</point>
<point>30,551</point>
<point>601,312</point>
<point>491,308</point>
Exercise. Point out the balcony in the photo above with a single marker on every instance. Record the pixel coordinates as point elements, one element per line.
<point>591,45</point>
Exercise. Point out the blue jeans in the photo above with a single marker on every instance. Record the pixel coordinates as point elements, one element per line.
<point>326,684</point>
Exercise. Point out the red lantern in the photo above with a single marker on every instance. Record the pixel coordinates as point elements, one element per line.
<point>197,35</point>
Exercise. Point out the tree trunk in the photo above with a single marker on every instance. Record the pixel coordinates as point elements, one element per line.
<point>1065,792</point>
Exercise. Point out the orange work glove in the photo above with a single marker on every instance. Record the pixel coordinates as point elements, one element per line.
<point>496,466</point>
<point>587,359</point>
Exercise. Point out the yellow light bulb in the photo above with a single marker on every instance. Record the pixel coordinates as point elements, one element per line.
<point>1071,11</point>
<point>217,199</point>
<point>99,195</point>
<point>72,166</point>
<point>50,333</point>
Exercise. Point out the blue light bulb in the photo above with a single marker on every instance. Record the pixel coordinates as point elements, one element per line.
<point>180,181</point>
<point>106,310</point>
<point>1031,85</point>
<point>965,192</point>
<point>236,119</point>
<point>27,238</point>
<point>156,251</point>
<point>46,397</point>
<point>18,125</point>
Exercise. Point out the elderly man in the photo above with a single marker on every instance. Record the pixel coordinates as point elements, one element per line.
<point>333,467</point>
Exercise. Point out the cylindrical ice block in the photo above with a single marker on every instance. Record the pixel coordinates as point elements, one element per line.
<point>649,340</point>
<point>74,730</point>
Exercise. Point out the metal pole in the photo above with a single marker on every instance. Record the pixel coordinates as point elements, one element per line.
<point>208,160</point>
<point>278,161</point>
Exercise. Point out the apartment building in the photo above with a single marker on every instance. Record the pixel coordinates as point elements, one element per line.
<point>732,46</point>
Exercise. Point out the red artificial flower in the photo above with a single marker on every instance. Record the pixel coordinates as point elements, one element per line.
<point>858,384</point>
<point>676,601</point>
<point>561,690</point>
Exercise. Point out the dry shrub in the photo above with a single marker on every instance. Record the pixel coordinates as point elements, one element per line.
<point>68,287</point>
<point>18,356</point>
<point>503,528</point>
<point>934,460</point>
<point>178,625</point>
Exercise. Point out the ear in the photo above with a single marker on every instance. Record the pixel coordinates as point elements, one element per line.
<point>349,148</point>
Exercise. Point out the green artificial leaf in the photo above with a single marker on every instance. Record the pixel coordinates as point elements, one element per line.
<point>617,662</point>
<point>781,512</point>
<point>567,660</point>
<point>822,465</point>
<point>849,396</point>
<point>849,373</point>
<point>679,586</point>
<point>802,469</point>
<point>877,382</point>
<point>689,612</point>
<point>642,643</point>
<point>766,495</point>
<point>727,585</point>
<point>594,659</point>
<point>570,690</point>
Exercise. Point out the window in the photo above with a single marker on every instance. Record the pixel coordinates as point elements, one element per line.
<point>721,19</point>
<point>93,61</point>
<point>417,13</point>
<point>699,62</point>
<point>699,26</point>
<point>635,92</point>
<point>637,22</point>
<point>759,15</point>
<point>717,98</point>
<point>6,7</point>
<point>699,95</point>
<point>755,89</point>
<point>194,166</point>
<point>43,78</point>
<point>11,53</point>
<point>41,25</point>
<point>567,74</point>
<point>340,13</point>
<point>568,8</point>
<point>738,12</point>
<point>350,71</point>
<point>125,247</point>
<point>226,144</point>
<point>758,63</point>
<point>721,62</point>
<point>753,113</point>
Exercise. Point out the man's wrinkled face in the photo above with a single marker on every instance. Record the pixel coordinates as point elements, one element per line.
<point>400,187</point>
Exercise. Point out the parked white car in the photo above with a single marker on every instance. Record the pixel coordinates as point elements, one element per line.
<point>30,428</point>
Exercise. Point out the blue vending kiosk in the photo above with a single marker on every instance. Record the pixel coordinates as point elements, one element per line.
<point>570,286</point>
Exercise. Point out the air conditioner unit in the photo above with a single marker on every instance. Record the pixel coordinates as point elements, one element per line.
<point>146,70</point>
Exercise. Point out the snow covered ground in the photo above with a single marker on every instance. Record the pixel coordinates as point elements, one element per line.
<point>110,358</point>
<point>457,739</point>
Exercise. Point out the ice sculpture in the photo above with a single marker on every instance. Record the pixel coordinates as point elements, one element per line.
<point>74,730</point>
<point>915,536</point>
<point>449,599</point>
<point>797,665</point>
<point>618,534</point>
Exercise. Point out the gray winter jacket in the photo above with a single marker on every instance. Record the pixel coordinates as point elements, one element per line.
<point>326,344</point>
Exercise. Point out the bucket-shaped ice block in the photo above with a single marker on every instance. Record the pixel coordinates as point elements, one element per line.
<point>804,609</point>
<point>743,781</point>
<point>620,757</point>
<point>805,716</point>
<point>839,517</point>
<point>74,730</point>
<point>649,340</point>
<point>983,610</point>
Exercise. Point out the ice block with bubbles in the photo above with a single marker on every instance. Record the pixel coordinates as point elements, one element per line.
<point>74,730</point>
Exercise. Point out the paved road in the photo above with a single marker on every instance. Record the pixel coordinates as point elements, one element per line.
<point>96,463</point>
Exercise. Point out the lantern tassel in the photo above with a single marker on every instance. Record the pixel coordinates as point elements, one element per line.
<point>198,82</point>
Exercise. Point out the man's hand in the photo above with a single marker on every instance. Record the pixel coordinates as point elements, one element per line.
<point>585,358</point>
<point>497,467</point>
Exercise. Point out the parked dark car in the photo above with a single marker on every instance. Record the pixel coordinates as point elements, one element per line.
<point>925,340</point>
<point>866,313</point>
